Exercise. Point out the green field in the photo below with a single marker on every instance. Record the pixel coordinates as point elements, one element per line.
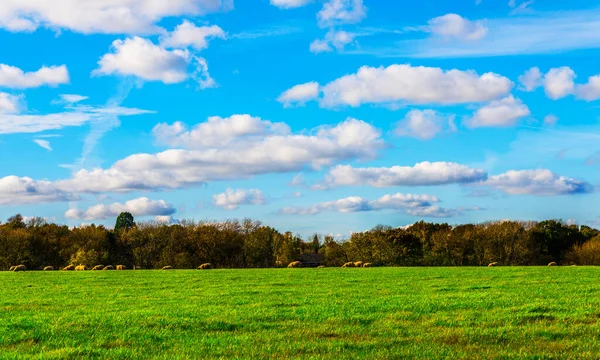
<point>376,313</point>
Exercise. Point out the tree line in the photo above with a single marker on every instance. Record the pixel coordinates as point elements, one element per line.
<point>250,244</point>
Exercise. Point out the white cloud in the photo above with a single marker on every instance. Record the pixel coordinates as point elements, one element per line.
<point>414,85</point>
<point>591,90</point>
<point>333,40</point>
<point>15,78</point>
<point>537,182</point>
<point>10,104</point>
<point>141,58</point>
<point>72,98</point>
<point>101,16</point>
<point>415,205</point>
<point>424,124</point>
<point>339,12</point>
<point>499,113</point>
<point>218,131</point>
<point>232,199</point>
<point>550,120</point>
<point>421,174</point>
<point>137,207</point>
<point>187,34</point>
<point>300,94</point>
<point>165,219</point>
<point>457,27</point>
<point>559,82</point>
<point>290,4</point>
<point>531,79</point>
<point>24,190</point>
<point>72,116</point>
<point>43,143</point>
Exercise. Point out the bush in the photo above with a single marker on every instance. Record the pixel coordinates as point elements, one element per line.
<point>586,254</point>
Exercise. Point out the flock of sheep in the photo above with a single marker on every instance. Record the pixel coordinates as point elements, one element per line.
<point>205,266</point>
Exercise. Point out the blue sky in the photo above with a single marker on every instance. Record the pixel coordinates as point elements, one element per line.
<point>326,116</point>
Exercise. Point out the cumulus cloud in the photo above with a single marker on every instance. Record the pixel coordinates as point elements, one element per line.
<point>531,79</point>
<point>421,174</point>
<point>591,90</point>
<point>43,143</point>
<point>340,12</point>
<point>15,78</point>
<point>290,4</point>
<point>218,131</point>
<point>424,124</point>
<point>10,104</point>
<point>137,207</point>
<point>101,16</point>
<point>24,190</point>
<point>537,182</point>
<point>416,205</point>
<point>232,199</point>
<point>414,85</point>
<point>300,94</point>
<point>499,113</point>
<point>559,82</point>
<point>143,59</point>
<point>188,34</point>
<point>457,27</point>
<point>333,40</point>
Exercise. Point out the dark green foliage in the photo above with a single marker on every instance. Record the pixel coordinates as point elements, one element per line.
<point>125,221</point>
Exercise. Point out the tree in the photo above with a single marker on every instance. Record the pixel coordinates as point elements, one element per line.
<point>125,221</point>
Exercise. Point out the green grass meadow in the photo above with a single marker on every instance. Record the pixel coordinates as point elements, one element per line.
<point>333,313</point>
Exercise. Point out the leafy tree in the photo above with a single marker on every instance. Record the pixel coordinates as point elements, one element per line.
<point>125,221</point>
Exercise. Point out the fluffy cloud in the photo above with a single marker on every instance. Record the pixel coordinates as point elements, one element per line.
<point>232,199</point>
<point>339,12</point>
<point>24,190</point>
<point>101,16</point>
<point>72,116</point>
<point>300,94</point>
<point>15,78</point>
<point>10,104</point>
<point>290,4</point>
<point>414,85</point>
<point>416,205</point>
<point>218,131</point>
<point>137,207</point>
<point>141,58</point>
<point>559,82</point>
<point>187,34</point>
<point>537,182</point>
<point>424,124</point>
<point>43,143</point>
<point>421,174</point>
<point>591,90</point>
<point>531,79</point>
<point>499,113</point>
<point>333,40</point>
<point>455,26</point>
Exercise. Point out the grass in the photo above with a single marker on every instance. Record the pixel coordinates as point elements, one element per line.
<point>376,313</point>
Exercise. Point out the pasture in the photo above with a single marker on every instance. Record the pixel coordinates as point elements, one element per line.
<point>332,313</point>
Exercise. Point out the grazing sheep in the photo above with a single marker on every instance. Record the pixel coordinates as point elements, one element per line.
<point>135,267</point>
<point>295,264</point>
<point>553,264</point>
<point>108,267</point>
<point>348,264</point>
<point>368,265</point>
<point>205,266</point>
<point>98,267</point>
<point>80,268</point>
<point>69,268</point>
<point>12,268</point>
<point>121,267</point>
<point>358,264</point>
<point>278,263</point>
<point>321,267</point>
<point>19,268</point>
<point>492,264</point>
<point>167,267</point>
<point>49,268</point>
